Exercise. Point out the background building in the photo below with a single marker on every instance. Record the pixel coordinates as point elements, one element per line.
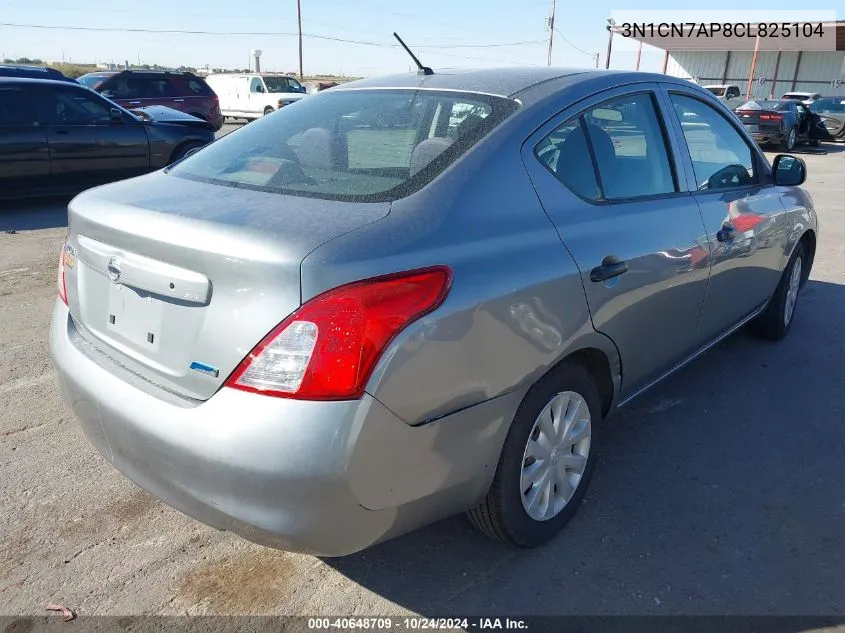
<point>774,72</point>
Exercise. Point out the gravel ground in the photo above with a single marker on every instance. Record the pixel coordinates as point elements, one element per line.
<point>720,492</point>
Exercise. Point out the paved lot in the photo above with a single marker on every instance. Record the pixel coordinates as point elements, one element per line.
<point>721,492</point>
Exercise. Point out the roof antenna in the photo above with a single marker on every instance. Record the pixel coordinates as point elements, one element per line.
<point>423,70</point>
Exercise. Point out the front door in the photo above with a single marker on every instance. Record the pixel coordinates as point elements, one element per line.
<point>87,145</point>
<point>606,175</point>
<point>741,208</point>
<point>24,155</point>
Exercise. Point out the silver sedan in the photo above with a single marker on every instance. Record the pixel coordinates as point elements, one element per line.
<point>419,295</point>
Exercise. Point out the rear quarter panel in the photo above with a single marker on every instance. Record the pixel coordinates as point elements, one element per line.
<point>516,305</point>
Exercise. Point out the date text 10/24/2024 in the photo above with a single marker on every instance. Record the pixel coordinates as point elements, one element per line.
<point>417,624</point>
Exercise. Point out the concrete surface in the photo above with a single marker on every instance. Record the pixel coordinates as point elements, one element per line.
<point>720,492</point>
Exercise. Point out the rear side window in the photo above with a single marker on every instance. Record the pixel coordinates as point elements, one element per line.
<point>566,154</point>
<point>363,145</point>
<point>623,140</point>
<point>721,158</point>
<point>198,87</point>
<point>158,88</point>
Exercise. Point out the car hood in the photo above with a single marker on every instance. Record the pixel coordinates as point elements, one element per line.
<point>163,114</point>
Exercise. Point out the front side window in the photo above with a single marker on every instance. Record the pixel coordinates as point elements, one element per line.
<point>15,109</point>
<point>72,107</point>
<point>721,158</point>
<point>122,87</point>
<point>623,139</point>
<point>366,145</point>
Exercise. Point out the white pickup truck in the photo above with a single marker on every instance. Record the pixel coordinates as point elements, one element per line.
<point>252,95</point>
<point>729,93</point>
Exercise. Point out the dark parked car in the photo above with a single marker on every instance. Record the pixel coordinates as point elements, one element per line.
<point>183,91</point>
<point>57,137</point>
<point>786,122</point>
<point>33,72</point>
<point>831,113</point>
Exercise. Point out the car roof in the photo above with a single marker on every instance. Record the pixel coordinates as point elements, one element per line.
<point>39,82</point>
<point>529,84</point>
<point>502,82</point>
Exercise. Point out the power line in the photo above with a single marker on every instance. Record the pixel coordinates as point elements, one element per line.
<point>580,50</point>
<point>259,33</point>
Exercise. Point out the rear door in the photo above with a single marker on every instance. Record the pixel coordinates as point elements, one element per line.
<point>88,146</point>
<point>743,215</point>
<point>24,154</point>
<point>606,173</point>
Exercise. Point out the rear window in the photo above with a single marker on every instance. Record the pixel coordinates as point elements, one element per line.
<point>368,145</point>
<point>92,81</point>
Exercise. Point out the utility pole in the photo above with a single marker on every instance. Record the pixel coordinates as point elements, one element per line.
<point>299,23</point>
<point>551,31</point>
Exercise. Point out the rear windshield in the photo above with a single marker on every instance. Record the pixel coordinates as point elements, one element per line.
<point>719,92</point>
<point>92,81</point>
<point>367,145</point>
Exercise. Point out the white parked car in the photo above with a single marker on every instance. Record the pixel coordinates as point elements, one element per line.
<point>251,95</point>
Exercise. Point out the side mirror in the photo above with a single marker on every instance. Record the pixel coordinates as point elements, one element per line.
<point>116,115</point>
<point>789,171</point>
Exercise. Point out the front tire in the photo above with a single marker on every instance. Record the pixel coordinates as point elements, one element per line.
<point>268,110</point>
<point>546,462</point>
<point>774,324</point>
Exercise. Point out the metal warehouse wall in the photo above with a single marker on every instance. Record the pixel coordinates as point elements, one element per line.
<point>817,70</point>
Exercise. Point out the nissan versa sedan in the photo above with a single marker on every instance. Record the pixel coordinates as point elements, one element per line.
<point>419,295</point>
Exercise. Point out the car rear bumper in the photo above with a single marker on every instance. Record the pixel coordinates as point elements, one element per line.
<point>328,478</point>
<point>769,137</point>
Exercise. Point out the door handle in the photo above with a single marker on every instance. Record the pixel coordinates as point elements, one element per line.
<point>178,100</point>
<point>134,103</point>
<point>610,267</point>
<point>726,233</point>
<point>60,131</point>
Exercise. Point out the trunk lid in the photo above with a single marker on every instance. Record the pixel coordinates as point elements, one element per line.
<point>178,280</point>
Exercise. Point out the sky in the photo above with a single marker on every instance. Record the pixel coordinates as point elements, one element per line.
<point>443,33</point>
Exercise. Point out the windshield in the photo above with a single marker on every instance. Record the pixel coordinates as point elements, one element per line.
<point>719,92</point>
<point>367,145</point>
<point>282,84</point>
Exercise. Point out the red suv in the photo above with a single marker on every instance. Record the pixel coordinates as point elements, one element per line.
<point>138,88</point>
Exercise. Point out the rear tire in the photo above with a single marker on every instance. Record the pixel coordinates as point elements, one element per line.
<point>532,499</point>
<point>268,110</point>
<point>774,324</point>
<point>791,140</point>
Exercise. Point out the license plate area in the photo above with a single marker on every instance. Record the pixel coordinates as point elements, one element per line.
<point>752,128</point>
<point>134,316</point>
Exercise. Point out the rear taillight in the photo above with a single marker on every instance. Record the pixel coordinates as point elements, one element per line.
<point>771,117</point>
<point>215,104</point>
<point>328,348</point>
<point>61,276</point>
